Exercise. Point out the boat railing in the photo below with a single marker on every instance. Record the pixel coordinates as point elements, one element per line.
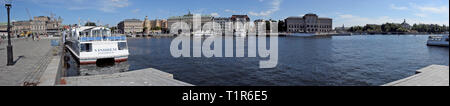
<point>104,38</point>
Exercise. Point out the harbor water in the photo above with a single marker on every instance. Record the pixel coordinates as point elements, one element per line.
<point>328,61</point>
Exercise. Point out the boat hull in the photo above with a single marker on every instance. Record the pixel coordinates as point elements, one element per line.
<point>94,61</point>
<point>82,59</point>
<point>438,41</point>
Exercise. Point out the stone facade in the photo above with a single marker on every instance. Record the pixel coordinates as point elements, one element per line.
<point>3,27</point>
<point>147,25</point>
<point>131,26</point>
<point>243,19</point>
<point>310,23</point>
<point>151,26</point>
<point>21,27</point>
<point>40,25</point>
<point>188,19</point>
<point>222,21</point>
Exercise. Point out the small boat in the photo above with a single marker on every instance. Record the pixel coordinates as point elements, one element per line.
<point>92,44</point>
<point>438,41</point>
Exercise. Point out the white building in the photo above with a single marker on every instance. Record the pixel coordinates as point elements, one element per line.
<point>222,21</point>
<point>310,23</point>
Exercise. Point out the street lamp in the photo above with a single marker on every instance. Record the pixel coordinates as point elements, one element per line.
<point>9,47</point>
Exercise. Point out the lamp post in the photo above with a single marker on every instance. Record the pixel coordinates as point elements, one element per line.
<point>9,47</point>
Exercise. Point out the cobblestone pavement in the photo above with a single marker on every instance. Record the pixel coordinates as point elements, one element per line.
<point>27,53</point>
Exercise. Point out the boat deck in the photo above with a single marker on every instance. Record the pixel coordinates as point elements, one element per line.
<point>434,75</point>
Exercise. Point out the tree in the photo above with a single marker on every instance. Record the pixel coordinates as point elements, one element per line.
<point>401,29</point>
<point>282,26</point>
<point>156,28</point>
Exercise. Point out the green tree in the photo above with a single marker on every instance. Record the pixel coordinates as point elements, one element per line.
<point>281,26</point>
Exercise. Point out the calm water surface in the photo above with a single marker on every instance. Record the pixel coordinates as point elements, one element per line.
<point>335,61</point>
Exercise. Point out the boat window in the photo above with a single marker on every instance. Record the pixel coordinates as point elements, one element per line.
<point>122,45</point>
<point>106,33</point>
<point>86,47</point>
<point>94,33</point>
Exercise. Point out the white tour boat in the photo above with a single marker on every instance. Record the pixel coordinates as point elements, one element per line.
<point>438,41</point>
<point>92,44</point>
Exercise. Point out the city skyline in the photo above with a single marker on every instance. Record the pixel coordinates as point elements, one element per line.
<point>350,13</point>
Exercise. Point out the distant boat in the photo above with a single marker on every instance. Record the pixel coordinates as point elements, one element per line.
<point>438,41</point>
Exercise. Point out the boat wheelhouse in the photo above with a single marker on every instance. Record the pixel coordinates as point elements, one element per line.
<point>92,44</point>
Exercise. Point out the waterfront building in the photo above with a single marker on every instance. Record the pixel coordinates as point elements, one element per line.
<point>309,23</point>
<point>222,21</point>
<point>40,25</point>
<point>20,28</point>
<point>188,19</point>
<point>405,25</point>
<point>3,28</point>
<point>44,25</point>
<point>266,23</point>
<point>158,25</point>
<point>258,21</point>
<point>151,26</point>
<point>242,19</point>
<point>147,25</point>
<point>131,26</point>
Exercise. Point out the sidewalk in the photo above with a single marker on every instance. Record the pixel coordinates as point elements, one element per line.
<point>27,53</point>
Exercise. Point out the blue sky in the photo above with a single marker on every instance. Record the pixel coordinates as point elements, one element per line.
<point>348,12</point>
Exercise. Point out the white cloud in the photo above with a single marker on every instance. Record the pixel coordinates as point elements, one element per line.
<point>346,16</point>
<point>421,14</point>
<point>230,11</point>
<point>431,9</point>
<point>135,10</point>
<point>275,6</point>
<point>393,6</point>
<point>215,14</point>
<point>353,20</point>
<point>437,10</point>
<point>111,5</point>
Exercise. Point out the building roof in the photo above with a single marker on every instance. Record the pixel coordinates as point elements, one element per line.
<point>310,14</point>
<point>240,16</point>
<point>128,20</point>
